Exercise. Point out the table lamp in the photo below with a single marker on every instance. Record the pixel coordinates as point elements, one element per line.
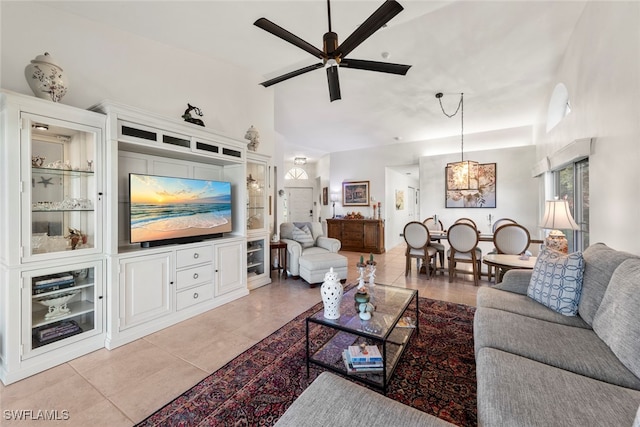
<point>558,217</point>
<point>334,198</point>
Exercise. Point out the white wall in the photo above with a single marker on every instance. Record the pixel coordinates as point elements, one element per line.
<point>516,191</point>
<point>601,69</point>
<point>396,219</point>
<point>106,63</point>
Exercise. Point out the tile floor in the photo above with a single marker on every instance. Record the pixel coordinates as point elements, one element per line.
<point>123,386</point>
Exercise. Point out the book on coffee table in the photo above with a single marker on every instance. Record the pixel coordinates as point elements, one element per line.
<point>355,369</point>
<point>369,354</point>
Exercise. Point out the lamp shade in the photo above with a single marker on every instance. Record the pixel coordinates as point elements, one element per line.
<point>462,175</point>
<point>557,216</point>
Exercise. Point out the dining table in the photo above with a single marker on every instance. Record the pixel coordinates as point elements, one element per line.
<point>482,237</point>
<point>506,262</point>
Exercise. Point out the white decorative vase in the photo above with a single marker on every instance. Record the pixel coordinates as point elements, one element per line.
<point>46,79</point>
<point>331,291</point>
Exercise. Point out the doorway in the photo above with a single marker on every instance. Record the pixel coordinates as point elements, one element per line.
<point>300,204</point>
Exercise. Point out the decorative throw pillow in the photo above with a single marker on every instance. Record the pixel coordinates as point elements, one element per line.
<point>556,281</point>
<point>303,236</point>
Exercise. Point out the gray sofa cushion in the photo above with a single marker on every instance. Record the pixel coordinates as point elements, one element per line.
<point>600,261</point>
<point>617,321</point>
<point>522,304</point>
<point>334,401</point>
<point>515,391</point>
<point>577,350</point>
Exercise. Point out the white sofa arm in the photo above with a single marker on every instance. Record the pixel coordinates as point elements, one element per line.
<point>328,243</point>
<point>294,250</point>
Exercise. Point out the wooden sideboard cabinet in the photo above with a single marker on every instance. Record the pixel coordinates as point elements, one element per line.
<point>358,235</point>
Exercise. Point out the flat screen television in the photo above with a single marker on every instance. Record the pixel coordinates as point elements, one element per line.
<point>166,210</point>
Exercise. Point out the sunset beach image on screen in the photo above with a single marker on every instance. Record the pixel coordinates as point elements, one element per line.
<point>163,208</point>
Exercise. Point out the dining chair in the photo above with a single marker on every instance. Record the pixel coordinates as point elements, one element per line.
<point>501,221</point>
<point>467,221</point>
<point>433,225</point>
<point>512,239</point>
<point>417,237</point>
<point>463,239</point>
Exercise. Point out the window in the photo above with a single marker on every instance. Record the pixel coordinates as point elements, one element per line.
<point>572,183</point>
<point>296,173</point>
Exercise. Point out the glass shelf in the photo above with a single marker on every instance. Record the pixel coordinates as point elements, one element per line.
<point>64,172</point>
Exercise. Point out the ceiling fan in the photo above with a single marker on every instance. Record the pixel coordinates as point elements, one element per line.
<point>334,55</point>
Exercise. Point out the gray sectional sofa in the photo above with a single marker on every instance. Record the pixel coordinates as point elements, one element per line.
<point>536,367</point>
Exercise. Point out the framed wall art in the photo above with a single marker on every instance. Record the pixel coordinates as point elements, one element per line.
<point>483,197</point>
<point>325,196</point>
<point>399,200</point>
<point>355,193</point>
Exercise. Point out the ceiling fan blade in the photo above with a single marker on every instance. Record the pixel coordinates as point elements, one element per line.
<point>285,35</point>
<point>388,10</point>
<point>334,83</point>
<point>292,74</point>
<point>383,67</point>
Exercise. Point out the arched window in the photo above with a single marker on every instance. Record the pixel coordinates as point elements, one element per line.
<point>296,173</point>
<point>559,106</point>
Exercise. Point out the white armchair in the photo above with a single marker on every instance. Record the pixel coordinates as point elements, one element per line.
<point>295,249</point>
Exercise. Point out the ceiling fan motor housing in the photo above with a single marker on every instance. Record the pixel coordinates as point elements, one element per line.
<point>330,44</point>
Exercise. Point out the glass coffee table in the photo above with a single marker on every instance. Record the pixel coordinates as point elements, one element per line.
<point>385,329</point>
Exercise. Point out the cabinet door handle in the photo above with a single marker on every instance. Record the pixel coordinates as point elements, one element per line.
<point>195,295</point>
<point>195,275</point>
<point>196,255</point>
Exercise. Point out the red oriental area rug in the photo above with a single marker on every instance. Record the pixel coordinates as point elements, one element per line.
<point>436,374</point>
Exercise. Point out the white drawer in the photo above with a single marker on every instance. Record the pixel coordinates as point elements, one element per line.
<point>193,276</point>
<point>194,296</point>
<point>194,256</point>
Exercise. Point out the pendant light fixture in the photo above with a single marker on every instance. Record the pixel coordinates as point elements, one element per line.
<point>462,175</point>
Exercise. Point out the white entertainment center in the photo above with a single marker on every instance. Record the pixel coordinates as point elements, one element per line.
<point>66,235</point>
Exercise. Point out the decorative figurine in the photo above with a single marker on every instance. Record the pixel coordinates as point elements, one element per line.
<point>188,118</point>
<point>365,310</point>
<point>37,161</point>
<point>252,135</point>
<point>76,237</point>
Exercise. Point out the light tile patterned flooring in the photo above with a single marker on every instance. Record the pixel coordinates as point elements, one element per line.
<point>123,386</point>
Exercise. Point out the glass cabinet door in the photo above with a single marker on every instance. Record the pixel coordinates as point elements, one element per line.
<point>61,200</point>
<point>256,196</point>
<point>61,305</point>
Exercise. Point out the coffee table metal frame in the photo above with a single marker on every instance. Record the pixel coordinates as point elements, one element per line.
<point>382,330</point>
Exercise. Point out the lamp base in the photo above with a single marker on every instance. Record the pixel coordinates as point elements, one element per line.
<point>557,241</point>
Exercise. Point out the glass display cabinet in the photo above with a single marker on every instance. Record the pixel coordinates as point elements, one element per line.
<point>61,306</point>
<point>61,204</point>
<point>258,188</point>
<point>256,179</point>
<point>52,264</point>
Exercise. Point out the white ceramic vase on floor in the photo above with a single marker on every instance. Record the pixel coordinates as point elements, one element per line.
<point>331,291</point>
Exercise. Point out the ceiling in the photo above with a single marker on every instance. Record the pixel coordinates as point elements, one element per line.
<point>501,54</point>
